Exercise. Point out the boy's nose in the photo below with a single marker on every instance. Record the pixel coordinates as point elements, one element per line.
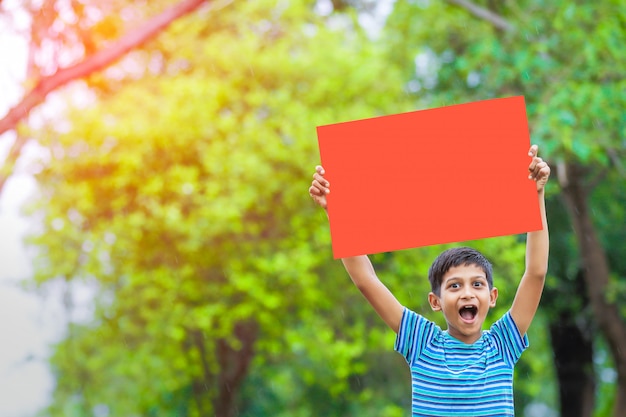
<point>467,293</point>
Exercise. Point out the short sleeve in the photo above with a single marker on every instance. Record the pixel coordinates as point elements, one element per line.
<point>512,343</point>
<point>413,334</point>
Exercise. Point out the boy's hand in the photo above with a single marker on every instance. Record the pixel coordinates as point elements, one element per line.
<point>538,168</point>
<point>319,187</point>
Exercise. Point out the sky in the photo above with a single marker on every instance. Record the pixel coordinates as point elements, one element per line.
<point>29,321</point>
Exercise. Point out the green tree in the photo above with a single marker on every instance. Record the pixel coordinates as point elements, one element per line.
<point>180,194</point>
<point>566,59</point>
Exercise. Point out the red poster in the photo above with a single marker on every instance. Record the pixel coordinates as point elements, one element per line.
<point>428,177</point>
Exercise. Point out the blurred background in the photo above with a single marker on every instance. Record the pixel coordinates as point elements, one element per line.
<point>159,252</point>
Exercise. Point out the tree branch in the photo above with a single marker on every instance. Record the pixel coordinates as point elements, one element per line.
<point>496,20</point>
<point>87,66</point>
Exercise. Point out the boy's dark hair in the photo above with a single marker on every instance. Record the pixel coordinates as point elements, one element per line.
<point>457,257</point>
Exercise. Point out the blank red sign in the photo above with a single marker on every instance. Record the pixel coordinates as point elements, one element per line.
<point>428,177</point>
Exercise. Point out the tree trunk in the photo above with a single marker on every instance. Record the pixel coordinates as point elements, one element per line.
<point>234,365</point>
<point>573,357</point>
<point>596,274</point>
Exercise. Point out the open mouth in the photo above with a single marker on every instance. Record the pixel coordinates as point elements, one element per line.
<point>468,313</point>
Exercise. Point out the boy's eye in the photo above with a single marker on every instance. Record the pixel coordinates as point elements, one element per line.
<point>455,285</point>
<point>478,284</point>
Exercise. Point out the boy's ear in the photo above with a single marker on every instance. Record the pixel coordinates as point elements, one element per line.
<point>493,296</point>
<point>434,301</point>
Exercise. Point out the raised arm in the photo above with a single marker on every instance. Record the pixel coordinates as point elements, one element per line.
<point>537,247</point>
<point>360,268</point>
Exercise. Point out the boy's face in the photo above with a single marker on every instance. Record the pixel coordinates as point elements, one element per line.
<point>465,299</point>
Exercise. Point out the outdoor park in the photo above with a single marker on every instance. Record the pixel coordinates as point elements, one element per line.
<point>172,144</point>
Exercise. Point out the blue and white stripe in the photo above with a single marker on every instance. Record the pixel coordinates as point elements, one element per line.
<point>451,378</point>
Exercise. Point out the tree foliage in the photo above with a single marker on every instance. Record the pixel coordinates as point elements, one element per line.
<point>566,59</point>
<point>70,40</point>
<point>179,195</point>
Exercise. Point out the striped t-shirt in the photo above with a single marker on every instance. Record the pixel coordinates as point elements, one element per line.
<point>451,378</point>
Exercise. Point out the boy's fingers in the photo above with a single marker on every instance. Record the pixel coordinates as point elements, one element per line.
<point>320,170</point>
<point>320,179</point>
<point>540,163</point>
<point>532,168</point>
<point>541,169</point>
<point>314,189</point>
<point>319,188</point>
<point>532,152</point>
<point>533,165</point>
<point>315,192</point>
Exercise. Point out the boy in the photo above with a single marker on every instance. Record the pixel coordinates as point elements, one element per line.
<point>461,371</point>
